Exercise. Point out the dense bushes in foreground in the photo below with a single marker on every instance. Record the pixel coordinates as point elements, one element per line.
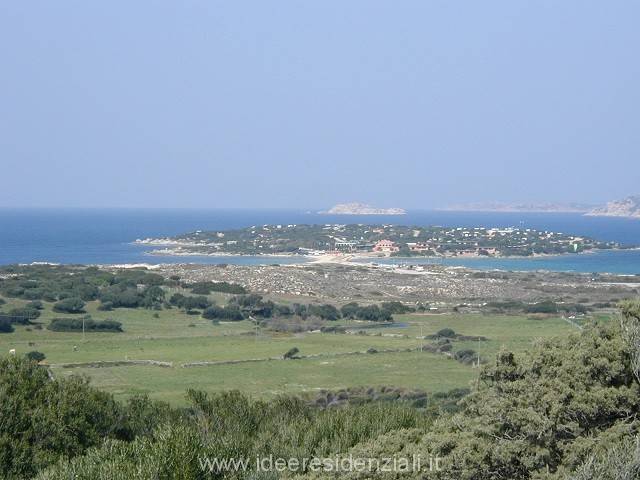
<point>43,420</point>
<point>230,425</point>
<point>47,422</point>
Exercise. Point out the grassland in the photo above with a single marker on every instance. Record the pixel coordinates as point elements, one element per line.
<point>173,336</point>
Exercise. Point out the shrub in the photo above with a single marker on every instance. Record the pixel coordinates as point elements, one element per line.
<point>105,306</point>
<point>282,310</point>
<point>5,325</point>
<point>35,356</point>
<point>248,301</point>
<point>373,313</point>
<point>44,420</point>
<point>325,311</point>
<point>446,332</point>
<point>152,297</point>
<point>188,302</point>
<point>230,312</point>
<point>542,307</point>
<point>119,297</point>
<point>205,288</point>
<point>23,316</point>
<point>69,305</point>
<point>75,325</point>
<point>290,354</point>
<point>35,305</point>
<point>350,310</point>
<point>467,356</point>
<point>396,307</point>
<point>294,324</point>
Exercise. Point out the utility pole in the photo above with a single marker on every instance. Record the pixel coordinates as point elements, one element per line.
<point>256,325</point>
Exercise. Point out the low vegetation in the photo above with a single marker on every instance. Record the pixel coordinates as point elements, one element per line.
<point>566,408</point>
<point>84,325</point>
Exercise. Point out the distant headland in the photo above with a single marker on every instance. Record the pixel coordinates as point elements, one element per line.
<point>361,209</point>
<point>521,207</point>
<point>628,207</point>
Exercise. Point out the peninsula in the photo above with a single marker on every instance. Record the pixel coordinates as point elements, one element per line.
<point>521,207</point>
<point>628,207</point>
<point>375,240</point>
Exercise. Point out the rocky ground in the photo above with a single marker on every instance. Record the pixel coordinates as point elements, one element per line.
<point>344,283</point>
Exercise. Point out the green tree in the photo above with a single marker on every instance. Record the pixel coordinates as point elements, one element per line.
<point>44,420</point>
<point>35,356</point>
<point>69,305</point>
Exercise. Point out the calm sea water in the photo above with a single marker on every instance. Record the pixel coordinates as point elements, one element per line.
<point>106,236</point>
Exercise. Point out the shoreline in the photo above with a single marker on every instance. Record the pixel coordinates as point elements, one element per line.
<point>173,253</point>
<point>409,264</point>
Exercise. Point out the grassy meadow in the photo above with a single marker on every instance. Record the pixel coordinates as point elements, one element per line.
<point>176,337</point>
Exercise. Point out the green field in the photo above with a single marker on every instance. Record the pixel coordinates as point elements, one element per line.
<point>173,336</point>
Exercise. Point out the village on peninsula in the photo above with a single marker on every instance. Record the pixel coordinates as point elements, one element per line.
<point>375,241</point>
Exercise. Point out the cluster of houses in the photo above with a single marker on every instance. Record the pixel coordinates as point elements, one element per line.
<point>389,246</point>
<point>382,246</point>
<point>386,246</point>
<point>454,242</point>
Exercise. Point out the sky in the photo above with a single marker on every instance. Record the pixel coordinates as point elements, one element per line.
<point>300,104</point>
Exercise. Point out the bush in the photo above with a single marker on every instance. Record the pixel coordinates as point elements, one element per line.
<point>230,312</point>
<point>127,297</point>
<point>248,301</point>
<point>35,305</point>
<point>189,303</point>
<point>35,356</point>
<point>105,306</point>
<point>446,333</point>
<point>542,307</point>
<point>75,325</point>
<point>5,325</point>
<point>291,353</point>
<point>44,420</point>
<point>294,324</point>
<point>205,288</point>
<point>325,311</point>
<point>373,313</point>
<point>467,356</point>
<point>396,307</point>
<point>23,316</point>
<point>350,310</point>
<point>69,305</point>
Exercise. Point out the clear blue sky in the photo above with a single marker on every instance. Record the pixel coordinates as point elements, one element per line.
<point>415,104</point>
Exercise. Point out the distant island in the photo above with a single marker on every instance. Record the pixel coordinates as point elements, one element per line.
<point>375,240</point>
<point>521,207</point>
<point>362,209</point>
<point>628,207</point>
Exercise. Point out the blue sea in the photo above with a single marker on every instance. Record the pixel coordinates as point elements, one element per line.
<point>101,236</point>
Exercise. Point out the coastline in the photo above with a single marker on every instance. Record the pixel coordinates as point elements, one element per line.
<point>347,258</point>
<point>419,265</point>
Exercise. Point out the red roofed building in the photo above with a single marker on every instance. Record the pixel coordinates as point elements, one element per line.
<point>385,246</point>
